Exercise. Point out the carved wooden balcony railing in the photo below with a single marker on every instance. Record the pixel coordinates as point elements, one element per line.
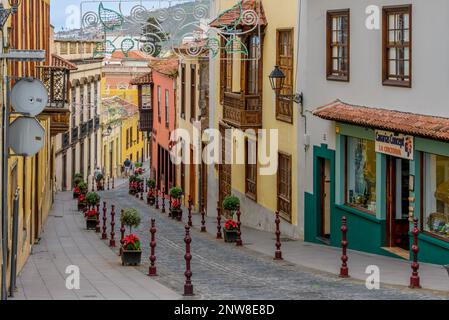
<point>75,134</point>
<point>97,123</point>
<point>90,126</point>
<point>65,140</point>
<point>56,81</point>
<point>242,111</point>
<point>146,119</point>
<point>83,130</point>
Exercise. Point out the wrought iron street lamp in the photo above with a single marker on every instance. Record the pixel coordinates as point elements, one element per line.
<point>277,81</point>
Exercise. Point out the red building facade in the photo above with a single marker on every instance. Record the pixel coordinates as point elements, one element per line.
<point>164,75</point>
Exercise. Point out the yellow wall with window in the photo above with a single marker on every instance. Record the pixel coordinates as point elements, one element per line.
<point>279,15</point>
<point>134,148</point>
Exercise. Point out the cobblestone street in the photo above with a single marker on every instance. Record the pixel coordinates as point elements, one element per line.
<point>222,271</point>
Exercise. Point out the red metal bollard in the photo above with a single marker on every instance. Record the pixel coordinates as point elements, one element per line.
<point>104,235</point>
<point>219,235</point>
<point>156,194</point>
<point>141,194</point>
<point>414,279</point>
<point>146,185</point>
<point>152,270</point>
<point>344,271</point>
<point>97,227</point>
<point>112,240</point>
<point>122,232</point>
<point>163,200</point>
<point>108,183</point>
<point>190,211</point>
<point>278,252</point>
<point>239,242</point>
<point>113,183</point>
<point>203,221</point>
<point>188,287</point>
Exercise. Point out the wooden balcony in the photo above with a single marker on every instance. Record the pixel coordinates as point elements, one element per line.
<point>56,81</point>
<point>83,130</point>
<point>242,111</point>
<point>146,119</point>
<point>75,133</point>
<point>65,140</point>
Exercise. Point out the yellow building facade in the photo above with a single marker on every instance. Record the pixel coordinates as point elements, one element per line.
<point>33,177</point>
<point>121,137</point>
<point>245,100</point>
<point>192,114</point>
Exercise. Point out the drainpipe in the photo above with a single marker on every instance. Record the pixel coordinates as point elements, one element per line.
<point>15,233</point>
<point>5,120</point>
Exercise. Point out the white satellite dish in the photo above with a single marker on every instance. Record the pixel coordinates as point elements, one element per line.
<point>26,136</point>
<point>29,96</point>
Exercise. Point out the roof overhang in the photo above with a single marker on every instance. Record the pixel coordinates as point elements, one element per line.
<point>426,126</point>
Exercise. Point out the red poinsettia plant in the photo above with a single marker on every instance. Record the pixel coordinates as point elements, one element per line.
<point>131,243</point>
<point>91,214</point>
<point>151,193</point>
<point>138,171</point>
<point>76,190</point>
<point>230,225</point>
<point>176,204</point>
<point>82,198</point>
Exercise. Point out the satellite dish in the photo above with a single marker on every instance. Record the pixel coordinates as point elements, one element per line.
<point>29,96</point>
<point>26,136</point>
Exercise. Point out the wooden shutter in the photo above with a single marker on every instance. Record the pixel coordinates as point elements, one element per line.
<point>284,188</point>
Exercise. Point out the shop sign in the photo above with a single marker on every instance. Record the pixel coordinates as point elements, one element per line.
<point>394,144</point>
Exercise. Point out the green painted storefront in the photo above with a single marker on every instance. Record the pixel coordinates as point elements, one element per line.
<point>367,232</point>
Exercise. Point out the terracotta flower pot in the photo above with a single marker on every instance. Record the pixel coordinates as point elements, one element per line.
<point>151,200</point>
<point>131,258</point>
<point>230,236</point>
<point>176,214</point>
<point>91,224</point>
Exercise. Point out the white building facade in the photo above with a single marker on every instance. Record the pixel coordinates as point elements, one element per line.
<point>374,125</point>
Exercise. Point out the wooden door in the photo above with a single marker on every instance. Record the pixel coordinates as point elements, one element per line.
<point>64,172</point>
<point>225,170</point>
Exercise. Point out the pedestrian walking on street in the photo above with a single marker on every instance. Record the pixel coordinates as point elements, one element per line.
<point>127,165</point>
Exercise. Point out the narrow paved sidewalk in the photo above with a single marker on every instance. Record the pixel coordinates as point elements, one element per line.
<point>65,242</point>
<point>327,259</point>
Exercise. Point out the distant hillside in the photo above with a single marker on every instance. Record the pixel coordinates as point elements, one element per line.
<point>174,28</point>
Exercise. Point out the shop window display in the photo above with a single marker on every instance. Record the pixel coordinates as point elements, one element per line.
<point>361,174</point>
<point>436,210</point>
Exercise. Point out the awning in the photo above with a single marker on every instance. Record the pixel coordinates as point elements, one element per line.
<point>237,15</point>
<point>431,127</point>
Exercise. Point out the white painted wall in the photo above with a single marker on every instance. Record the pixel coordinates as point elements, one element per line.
<point>430,76</point>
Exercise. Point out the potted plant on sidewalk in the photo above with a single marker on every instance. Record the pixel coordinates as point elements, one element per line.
<point>82,186</point>
<point>175,205</point>
<point>151,196</point>
<point>230,206</point>
<point>131,251</point>
<point>91,218</point>
<point>230,231</point>
<point>93,199</point>
<point>77,179</point>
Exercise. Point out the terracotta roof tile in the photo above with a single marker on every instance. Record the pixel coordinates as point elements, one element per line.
<point>168,67</point>
<point>135,54</point>
<point>143,79</point>
<point>432,127</point>
<point>233,16</point>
